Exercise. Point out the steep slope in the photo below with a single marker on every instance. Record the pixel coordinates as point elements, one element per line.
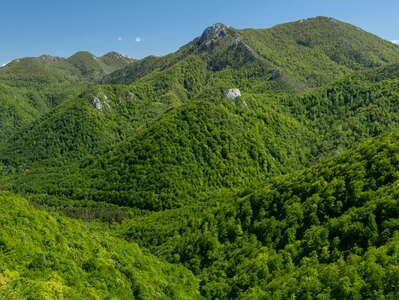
<point>330,232</point>
<point>46,81</point>
<point>114,61</point>
<point>17,109</point>
<point>385,72</point>
<point>289,57</point>
<point>319,49</point>
<point>189,147</point>
<point>39,84</point>
<point>189,150</point>
<point>347,111</point>
<point>93,67</point>
<point>216,143</point>
<point>44,256</point>
<point>50,70</point>
<point>210,167</point>
<point>99,118</point>
<point>196,148</point>
<point>222,58</point>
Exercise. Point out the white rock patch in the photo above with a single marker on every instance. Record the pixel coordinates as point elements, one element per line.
<point>232,94</point>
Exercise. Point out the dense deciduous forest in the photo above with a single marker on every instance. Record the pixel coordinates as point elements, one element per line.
<point>146,179</point>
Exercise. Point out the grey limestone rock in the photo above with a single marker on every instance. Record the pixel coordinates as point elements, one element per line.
<point>232,94</point>
<point>216,31</point>
<point>100,102</point>
<point>97,103</point>
<point>212,34</point>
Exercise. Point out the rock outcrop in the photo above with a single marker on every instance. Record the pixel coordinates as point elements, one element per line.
<point>97,103</point>
<point>212,34</point>
<point>232,94</point>
<point>100,102</point>
<point>216,31</point>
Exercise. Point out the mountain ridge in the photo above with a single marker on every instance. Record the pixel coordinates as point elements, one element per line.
<point>248,164</point>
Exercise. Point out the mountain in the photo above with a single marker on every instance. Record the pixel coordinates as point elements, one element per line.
<point>249,164</point>
<point>221,58</point>
<point>49,70</point>
<point>95,67</point>
<point>39,84</point>
<point>336,221</point>
<point>197,147</point>
<point>292,56</point>
<point>87,124</point>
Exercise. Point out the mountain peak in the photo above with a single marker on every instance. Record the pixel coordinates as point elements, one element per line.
<point>81,54</point>
<point>49,58</point>
<point>213,34</point>
<point>216,31</point>
<point>114,54</point>
<point>319,19</point>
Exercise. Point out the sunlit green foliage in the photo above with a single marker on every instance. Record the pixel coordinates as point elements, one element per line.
<point>156,155</point>
<point>45,256</point>
<point>328,232</point>
<point>300,54</point>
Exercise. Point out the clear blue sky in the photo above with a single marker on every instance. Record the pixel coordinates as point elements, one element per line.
<point>62,27</point>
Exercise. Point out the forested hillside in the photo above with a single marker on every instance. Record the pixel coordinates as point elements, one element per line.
<point>327,232</point>
<point>306,53</point>
<point>200,146</point>
<point>47,256</point>
<point>249,164</point>
<point>33,86</point>
<point>16,110</point>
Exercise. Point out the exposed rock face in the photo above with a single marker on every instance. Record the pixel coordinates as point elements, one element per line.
<point>232,94</point>
<point>97,103</point>
<point>212,34</point>
<point>215,31</point>
<point>100,103</point>
<point>130,95</point>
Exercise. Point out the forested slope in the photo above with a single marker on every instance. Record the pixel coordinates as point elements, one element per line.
<point>327,232</point>
<point>249,164</point>
<point>200,146</point>
<point>44,256</point>
<point>31,87</point>
<point>291,56</point>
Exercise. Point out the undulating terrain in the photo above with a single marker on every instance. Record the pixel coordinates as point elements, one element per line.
<point>249,164</point>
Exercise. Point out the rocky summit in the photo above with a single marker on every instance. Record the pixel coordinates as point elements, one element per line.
<point>216,31</point>
<point>212,34</point>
